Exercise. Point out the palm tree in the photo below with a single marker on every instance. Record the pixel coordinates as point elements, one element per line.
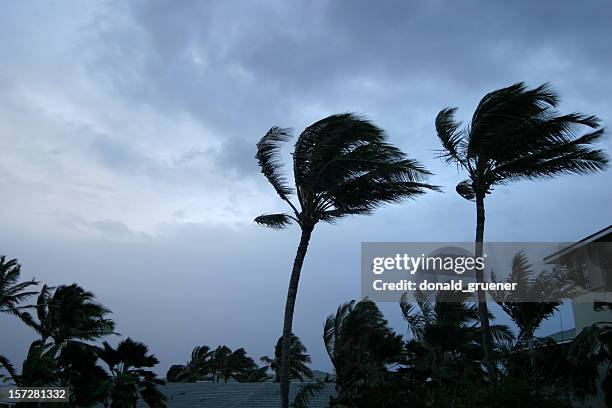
<point>342,165</point>
<point>79,370</point>
<point>446,339</point>
<point>298,360</point>
<point>515,133</point>
<point>549,287</point>
<point>11,292</point>
<point>128,365</point>
<point>225,364</point>
<point>69,313</point>
<point>198,368</point>
<point>361,346</point>
<point>11,295</point>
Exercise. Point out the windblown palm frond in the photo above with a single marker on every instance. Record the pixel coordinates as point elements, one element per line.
<point>305,394</point>
<point>268,157</point>
<point>6,364</point>
<point>12,293</point>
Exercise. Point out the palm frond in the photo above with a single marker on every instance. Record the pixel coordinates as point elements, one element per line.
<point>451,137</point>
<point>268,157</point>
<point>10,369</point>
<point>276,221</point>
<point>305,394</point>
<point>575,156</point>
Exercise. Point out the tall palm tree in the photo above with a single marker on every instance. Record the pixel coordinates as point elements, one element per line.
<point>129,366</point>
<point>515,133</point>
<point>11,292</point>
<point>298,360</point>
<point>342,165</point>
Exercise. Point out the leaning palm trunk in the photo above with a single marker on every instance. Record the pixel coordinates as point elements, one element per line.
<point>289,308</point>
<point>482,297</point>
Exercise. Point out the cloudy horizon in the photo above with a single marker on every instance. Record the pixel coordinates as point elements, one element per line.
<point>129,129</point>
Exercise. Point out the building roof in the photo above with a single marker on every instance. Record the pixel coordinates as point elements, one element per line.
<point>596,236</point>
<point>236,395</point>
<point>564,336</point>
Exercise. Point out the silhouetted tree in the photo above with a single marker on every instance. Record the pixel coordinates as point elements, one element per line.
<point>131,379</point>
<point>298,360</point>
<point>361,345</point>
<point>535,299</point>
<point>342,165</point>
<point>445,352</point>
<point>198,368</point>
<point>69,313</point>
<point>515,133</point>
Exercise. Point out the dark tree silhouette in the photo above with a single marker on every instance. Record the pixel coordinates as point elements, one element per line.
<point>549,287</point>
<point>515,134</point>
<point>12,294</point>
<point>446,348</point>
<point>298,360</point>
<point>360,345</point>
<point>342,165</point>
<point>68,313</point>
<point>128,365</point>
<point>64,318</point>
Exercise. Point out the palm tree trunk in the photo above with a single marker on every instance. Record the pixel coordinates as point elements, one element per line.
<point>289,307</point>
<point>482,297</point>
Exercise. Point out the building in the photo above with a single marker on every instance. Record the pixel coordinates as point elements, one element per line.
<point>237,395</point>
<point>591,259</point>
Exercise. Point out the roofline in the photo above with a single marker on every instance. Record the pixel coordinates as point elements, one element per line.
<point>578,244</point>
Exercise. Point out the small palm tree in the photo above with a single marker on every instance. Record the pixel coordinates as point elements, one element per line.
<point>129,366</point>
<point>549,287</point>
<point>446,339</point>
<point>198,368</point>
<point>298,360</point>
<point>361,346</point>
<point>11,292</point>
<point>342,165</point>
<point>515,134</point>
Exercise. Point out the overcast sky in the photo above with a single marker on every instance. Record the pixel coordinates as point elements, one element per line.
<point>128,130</point>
